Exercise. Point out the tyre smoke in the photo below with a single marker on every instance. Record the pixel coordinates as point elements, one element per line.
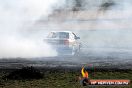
<point>16,36</point>
<point>103,25</point>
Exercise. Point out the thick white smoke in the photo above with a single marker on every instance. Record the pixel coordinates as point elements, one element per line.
<point>109,20</point>
<point>101,24</point>
<point>17,16</point>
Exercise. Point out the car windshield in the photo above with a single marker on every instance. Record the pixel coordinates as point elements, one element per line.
<point>58,35</point>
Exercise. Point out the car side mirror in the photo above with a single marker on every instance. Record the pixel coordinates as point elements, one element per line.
<point>77,38</point>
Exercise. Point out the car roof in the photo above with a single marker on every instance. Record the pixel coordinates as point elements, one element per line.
<point>62,31</point>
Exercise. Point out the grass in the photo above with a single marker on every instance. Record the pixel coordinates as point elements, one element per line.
<point>62,78</point>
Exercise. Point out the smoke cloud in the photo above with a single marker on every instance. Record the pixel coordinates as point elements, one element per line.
<point>16,19</point>
<point>102,24</point>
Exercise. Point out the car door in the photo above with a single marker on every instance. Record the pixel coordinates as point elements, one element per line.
<point>77,40</point>
<point>72,39</point>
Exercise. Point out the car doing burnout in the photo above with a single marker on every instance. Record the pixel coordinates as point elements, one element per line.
<point>64,42</point>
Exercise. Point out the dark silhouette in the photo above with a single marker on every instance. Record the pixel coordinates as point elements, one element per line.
<point>25,73</point>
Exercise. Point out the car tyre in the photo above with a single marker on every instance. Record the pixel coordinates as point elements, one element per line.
<point>75,52</point>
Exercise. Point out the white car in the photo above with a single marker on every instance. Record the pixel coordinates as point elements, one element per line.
<point>64,42</point>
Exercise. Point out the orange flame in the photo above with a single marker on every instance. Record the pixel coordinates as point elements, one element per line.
<point>84,73</point>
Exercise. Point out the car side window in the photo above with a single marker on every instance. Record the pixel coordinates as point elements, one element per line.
<point>74,36</point>
<point>52,35</point>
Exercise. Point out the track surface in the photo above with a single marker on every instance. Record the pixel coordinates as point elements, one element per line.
<point>106,58</point>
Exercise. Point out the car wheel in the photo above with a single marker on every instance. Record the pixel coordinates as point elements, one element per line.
<point>75,52</point>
